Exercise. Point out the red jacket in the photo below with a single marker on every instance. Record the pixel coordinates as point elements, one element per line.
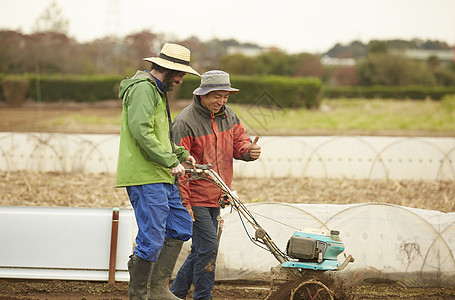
<point>210,139</point>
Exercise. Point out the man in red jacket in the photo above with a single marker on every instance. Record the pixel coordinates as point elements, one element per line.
<point>213,134</point>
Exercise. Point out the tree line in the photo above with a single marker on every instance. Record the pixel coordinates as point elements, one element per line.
<point>51,52</point>
<point>378,63</point>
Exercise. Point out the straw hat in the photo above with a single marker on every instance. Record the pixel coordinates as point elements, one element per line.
<point>174,57</point>
<point>214,80</point>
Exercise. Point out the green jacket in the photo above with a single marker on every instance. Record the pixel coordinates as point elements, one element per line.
<point>145,152</point>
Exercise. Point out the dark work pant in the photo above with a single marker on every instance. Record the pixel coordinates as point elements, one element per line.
<point>199,267</point>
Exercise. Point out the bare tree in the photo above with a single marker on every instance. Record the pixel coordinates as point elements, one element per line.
<point>52,20</point>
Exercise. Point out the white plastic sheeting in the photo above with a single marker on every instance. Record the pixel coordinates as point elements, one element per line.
<point>55,152</point>
<point>354,157</point>
<point>413,246</point>
<point>62,242</point>
<point>323,157</point>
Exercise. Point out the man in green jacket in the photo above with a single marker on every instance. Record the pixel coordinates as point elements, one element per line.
<point>147,166</point>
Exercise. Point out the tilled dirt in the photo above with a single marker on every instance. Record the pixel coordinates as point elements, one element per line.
<point>97,190</point>
<point>13,289</point>
<point>89,290</point>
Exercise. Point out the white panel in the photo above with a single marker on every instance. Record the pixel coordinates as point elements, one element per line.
<point>36,273</point>
<point>55,239</point>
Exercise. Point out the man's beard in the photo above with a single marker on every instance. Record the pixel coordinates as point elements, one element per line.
<point>168,81</point>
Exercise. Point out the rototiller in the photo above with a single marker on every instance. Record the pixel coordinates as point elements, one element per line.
<point>308,254</point>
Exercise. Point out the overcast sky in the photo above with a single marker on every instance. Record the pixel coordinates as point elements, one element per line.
<point>291,25</point>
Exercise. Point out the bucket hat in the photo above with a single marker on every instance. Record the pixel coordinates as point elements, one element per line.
<point>174,57</point>
<point>214,80</point>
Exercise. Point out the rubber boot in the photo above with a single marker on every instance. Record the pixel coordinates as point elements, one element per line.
<point>162,271</point>
<point>139,269</point>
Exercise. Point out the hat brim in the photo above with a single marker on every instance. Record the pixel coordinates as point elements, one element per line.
<point>172,65</point>
<point>205,90</point>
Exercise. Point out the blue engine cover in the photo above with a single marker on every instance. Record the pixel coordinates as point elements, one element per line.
<point>334,246</point>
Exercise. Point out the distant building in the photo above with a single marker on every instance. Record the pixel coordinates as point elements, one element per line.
<point>444,56</point>
<point>247,51</point>
<point>335,61</point>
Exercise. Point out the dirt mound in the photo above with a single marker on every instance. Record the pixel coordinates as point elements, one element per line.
<point>312,285</point>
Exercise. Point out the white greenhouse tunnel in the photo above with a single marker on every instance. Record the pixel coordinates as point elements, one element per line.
<point>387,241</point>
<point>356,157</point>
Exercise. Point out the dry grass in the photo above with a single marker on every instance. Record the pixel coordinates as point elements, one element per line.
<point>28,188</point>
<point>435,195</point>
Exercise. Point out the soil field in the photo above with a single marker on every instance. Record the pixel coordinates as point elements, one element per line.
<point>86,290</point>
<point>96,190</point>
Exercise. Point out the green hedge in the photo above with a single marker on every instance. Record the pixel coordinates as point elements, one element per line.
<point>283,91</point>
<point>266,90</point>
<point>75,88</point>
<point>389,92</point>
<point>2,96</point>
<point>53,88</point>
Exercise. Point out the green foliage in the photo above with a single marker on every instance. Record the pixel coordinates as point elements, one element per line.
<point>393,70</point>
<point>238,64</point>
<point>51,51</point>
<point>273,63</point>
<point>377,47</point>
<point>451,66</point>
<point>448,103</point>
<point>74,88</point>
<point>284,91</point>
<point>15,89</point>
<point>189,84</point>
<point>444,77</point>
<point>357,49</point>
<point>2,97</point>
<point>389,92</point>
